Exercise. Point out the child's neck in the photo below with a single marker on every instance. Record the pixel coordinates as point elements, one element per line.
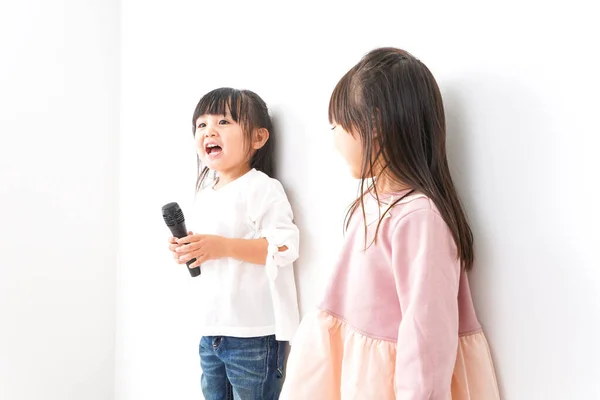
<point>226,177</point>
<point>386,185</point>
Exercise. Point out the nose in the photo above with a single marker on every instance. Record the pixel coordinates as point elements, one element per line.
<point>209,132</point>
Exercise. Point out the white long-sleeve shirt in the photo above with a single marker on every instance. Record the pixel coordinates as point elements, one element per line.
<point>238,298</point>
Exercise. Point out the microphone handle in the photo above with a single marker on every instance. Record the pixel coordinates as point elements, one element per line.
<point>180,231</point>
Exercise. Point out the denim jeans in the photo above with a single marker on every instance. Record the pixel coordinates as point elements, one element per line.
<point>242,368</point>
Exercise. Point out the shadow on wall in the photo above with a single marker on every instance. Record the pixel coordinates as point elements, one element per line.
<point>460,147</point>
<point>291,156</point>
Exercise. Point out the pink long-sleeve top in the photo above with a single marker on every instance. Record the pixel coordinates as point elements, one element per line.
<point>397,320</point>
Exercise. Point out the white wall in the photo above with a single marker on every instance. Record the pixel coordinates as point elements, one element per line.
<point>521,84</point>
<point>59,121</point>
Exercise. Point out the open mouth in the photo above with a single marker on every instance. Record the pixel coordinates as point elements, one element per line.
<point>213,149</point>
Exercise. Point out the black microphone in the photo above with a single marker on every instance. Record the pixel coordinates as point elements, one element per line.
<point>174,219</point>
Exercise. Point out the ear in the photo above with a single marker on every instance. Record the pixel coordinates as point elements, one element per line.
<point>259,138</point>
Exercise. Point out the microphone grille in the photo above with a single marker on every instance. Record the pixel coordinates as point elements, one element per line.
<point>172,214</point>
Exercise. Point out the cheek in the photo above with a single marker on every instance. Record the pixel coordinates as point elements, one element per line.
<point>234,147</point>
<point>356,151</point>
<point>349,148</point>
<point>198,144</point>
<point>340,143</point>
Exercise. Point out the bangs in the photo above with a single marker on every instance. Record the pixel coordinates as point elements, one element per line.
<point>219,101</point>
<point>343,102</point>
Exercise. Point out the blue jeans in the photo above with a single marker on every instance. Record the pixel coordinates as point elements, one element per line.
<point>242,368</point>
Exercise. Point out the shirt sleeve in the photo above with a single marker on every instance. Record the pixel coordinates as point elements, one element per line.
<point>427,275</point>
<point>274,221</point>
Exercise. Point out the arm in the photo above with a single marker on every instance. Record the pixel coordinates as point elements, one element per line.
<point>277,243</point>
<point>427,272</point>
<point>274,221</point>
<point>211,247</point>
<point>252,251</point>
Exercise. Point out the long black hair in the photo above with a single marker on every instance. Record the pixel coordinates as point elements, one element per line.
<point>392,99</point>
<point>251,112</point>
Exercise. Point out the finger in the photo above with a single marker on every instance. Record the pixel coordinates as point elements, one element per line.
<point>187,248</point>
<point>197,254</point>
<point>172,239</point>
<point>189,239</point>
<point>198,262</point>
<point>186,257</point>
<point>185,239</point>
<point>174,247</point>
<point>202,259</point>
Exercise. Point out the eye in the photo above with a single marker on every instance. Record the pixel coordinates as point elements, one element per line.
<point>201,125</point>
<point>223,122</point>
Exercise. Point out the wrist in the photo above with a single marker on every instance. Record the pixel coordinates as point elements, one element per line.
<point>228,247</point>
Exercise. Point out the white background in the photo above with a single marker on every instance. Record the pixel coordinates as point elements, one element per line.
<point>59,121</point>
<point>521,88</point>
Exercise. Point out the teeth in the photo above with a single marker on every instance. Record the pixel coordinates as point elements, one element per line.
<point>210,146</point>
